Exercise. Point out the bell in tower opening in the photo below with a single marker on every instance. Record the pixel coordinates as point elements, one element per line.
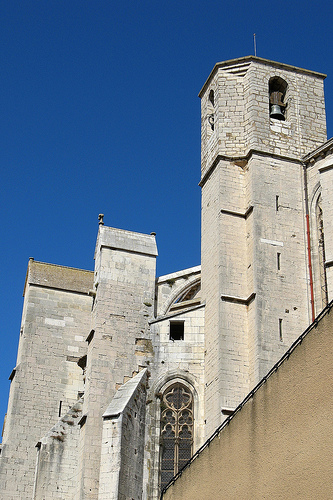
<point>277,93</point>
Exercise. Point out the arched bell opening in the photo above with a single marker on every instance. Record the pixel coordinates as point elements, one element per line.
<point>277,98</point>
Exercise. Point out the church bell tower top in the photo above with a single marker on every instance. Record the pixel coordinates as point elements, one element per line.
<point>239,66</point>
<point>253,104</point>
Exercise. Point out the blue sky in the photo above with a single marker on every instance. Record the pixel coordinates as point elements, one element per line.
<point>99,112</point>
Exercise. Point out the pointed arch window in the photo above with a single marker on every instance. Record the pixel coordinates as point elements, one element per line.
<point>176,430</point>
<point>321,252</point>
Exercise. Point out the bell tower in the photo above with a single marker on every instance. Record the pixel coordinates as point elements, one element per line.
<point>258,120</point>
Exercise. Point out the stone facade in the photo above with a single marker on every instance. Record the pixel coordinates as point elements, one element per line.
<point>46,380</point>
<point>278,444</point>
<point>99,350</point>
<point>254,221</point>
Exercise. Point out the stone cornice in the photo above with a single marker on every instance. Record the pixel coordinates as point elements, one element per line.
<point>238,214</point>
<point>245,301</point>
<point>322,150</point>
<point>246,158</point>
<point>260,60</point>
<point>178,313</point>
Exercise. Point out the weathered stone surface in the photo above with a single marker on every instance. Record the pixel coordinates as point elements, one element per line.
<point>254,216</point>
<point>57,458</point>
<point>123,440</point>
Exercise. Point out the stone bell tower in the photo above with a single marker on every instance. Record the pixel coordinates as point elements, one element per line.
<point>258,120</point>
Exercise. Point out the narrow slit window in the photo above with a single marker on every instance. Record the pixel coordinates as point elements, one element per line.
<point>60,405</point>
<point>176,330</point>
<point>210,109</point>
<point>277,203</point>
<point>211,120</point>
<point>278,261</point>
<point>280,330</point>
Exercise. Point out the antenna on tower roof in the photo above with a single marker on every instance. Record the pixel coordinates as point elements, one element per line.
<point>255,45</point>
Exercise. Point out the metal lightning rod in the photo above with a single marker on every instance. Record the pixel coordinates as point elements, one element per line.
<point>255,45</point>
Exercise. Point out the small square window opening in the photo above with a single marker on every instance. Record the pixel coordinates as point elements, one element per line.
<point>176,330</point>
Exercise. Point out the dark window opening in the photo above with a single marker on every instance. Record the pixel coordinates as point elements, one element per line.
<point>90,336</point>
<point>82,421</point>
<point>211,121</point>
<point>277,203</point>
<point>280,329</point>
<point>210,115</point>
<point>12,375</point>
<point>277,93</point>
<point>176,330</point>
<point>278,261</point>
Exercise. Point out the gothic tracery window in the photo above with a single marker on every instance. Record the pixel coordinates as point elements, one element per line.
<point>176,430</point>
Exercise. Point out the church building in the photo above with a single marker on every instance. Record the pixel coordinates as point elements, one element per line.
<point>122,375</point>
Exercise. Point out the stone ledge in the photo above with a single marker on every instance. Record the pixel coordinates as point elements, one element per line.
<point>239,300</point>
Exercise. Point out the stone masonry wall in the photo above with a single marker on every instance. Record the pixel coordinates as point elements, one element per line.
<point>47,379</point>
<point>282,305</point>
<point>255,279</point>
<point>125,289</point>
<point>57,458</point>
<point>241,111</point>
<point>210,284</point>
<point>319,168</point>
<point>123,440</point>
<point>224,282</point>
<point>173,360</point>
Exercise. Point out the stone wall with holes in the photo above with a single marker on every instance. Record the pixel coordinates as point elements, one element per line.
<point>56,469</point>
<point>225,272</point>
<point>124,302</point>
<point>254,251</point>
<point>47,379</point>
<point>278,259</point>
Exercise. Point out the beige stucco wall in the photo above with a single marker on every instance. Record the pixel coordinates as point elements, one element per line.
<point>279,446</point>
